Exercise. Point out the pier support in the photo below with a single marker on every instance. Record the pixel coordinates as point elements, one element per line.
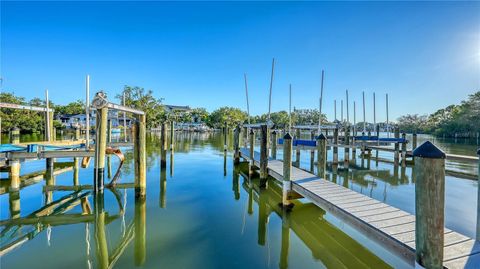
<point>252,150</point>
<point>14,174</point>
<point>172,135</point>
<point>335,148</point>
<point>396,156</point>
<point>287,169</point>
<point>274,145</point>
<point>15,136</point>
<point>404,149</point>
<point>347,149</point>
<point>140,156</point>
<point>321,155</point>
<point>163,142</point>
<point>429,173</point>
<point>263,155</point>
<point>245,137</point>
<point>100,146</point>
<point>236,145</point>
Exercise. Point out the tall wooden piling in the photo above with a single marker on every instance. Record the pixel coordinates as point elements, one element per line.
<point>172,135</point>
<point>297,152</point>
<point>404,149</point>
<point>163,142</point>
<point>347,143</point>
<point>274,145</point>
<point>263,155</point>
<point>140,156</point>
<point>252,150</point>
<point>287,168</point>
<point>236,145</point>
<point>335,148</point>
<point>100,146</point>
<point>15,136</point>
<point>321,155</point>
<point>429,173</point>
<point>397,146</point>
<point>245,137</point>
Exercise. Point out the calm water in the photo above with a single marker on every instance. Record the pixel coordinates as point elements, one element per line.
<point>202,212</point>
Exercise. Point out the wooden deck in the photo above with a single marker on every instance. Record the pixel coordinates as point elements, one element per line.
<point>390,226</point>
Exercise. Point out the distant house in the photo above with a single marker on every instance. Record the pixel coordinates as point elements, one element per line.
<point>173,109</point>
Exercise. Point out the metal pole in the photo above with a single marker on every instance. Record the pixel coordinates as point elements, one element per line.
<point>246,93</point>
<point>364,121</point>
<point>354,118</point>
<point>348,117</point>
<point>271,84</point>
<point>47,114</point>
<point>374,114</point>
<point>87,112</point>
<point>341,110</point>
<point>388,127</point>
<point>335,109</point>
<point>320,105</point>
<point>290,110</point>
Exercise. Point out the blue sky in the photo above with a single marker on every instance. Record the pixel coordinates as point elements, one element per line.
<point>426,55</point>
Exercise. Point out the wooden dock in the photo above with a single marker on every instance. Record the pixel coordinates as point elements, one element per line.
<point>390,226</point>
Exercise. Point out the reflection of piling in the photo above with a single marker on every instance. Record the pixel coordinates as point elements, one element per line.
<point>429,172</point>
<point>75,171</point>
<point>163,188</point>
<point>14,203</point>
<point>263,155</point>
<point>262,218</point>
<point>287,168</point>
<point>100,235</point>
<point>140,156</point>
<point>172,157</point>
<point>285,242</point>
<point>236,145</point>
<point>140,253</point>
<point>335,148</point>
<point>274,145</point>
<point>100,146</point>
<point>163,141</point>
<point>321,155</point>
<point>235,184</point>
<point>252,150</point>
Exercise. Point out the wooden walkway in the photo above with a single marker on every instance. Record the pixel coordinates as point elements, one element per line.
<point>390,226</point>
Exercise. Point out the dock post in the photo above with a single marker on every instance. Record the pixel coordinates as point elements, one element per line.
<point>321,155</point>
<point>172,135</point>
<point>77,133</point>
<point>414,141</point>
<point>225,137</point>
<point>335,148</point>
<point>397,146</point>
<point>347,143</point>
<point>163,141</point>
<point>404,149</point>
<point>287,169</point>
<point>263,155</point>
<point>109,131</point>
<point>245,137</point>
<point>15,136</point>
<point>297,152</point>
<point>312,152</point>
<point>429,173</point>
<point>274,145</point>
<point>140,157</point>
<point>252,151</point>
<point>236,145</point>
<point>100,146</point>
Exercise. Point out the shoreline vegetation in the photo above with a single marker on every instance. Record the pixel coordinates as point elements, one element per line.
<point>462,120</point>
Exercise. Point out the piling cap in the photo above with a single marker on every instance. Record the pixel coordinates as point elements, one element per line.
<point>321,137</point>
<point>287,136</point>
<point>429,150</point>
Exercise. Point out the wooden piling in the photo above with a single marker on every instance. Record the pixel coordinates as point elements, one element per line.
<point>54,134</point>
<point>225,133</point>
<point>335,148</point>
<point>15,136</point>
<point>172,135</point>
<point>77,133</point>
<point>429,173</point>
<point>263,155</point>
<point>14,174</point>
<point>236,145</point>
<point>109,131</point>
<point>404,149</point>
<point>252,150</point>
<point>321,155</point>
<point>140,156</point>
<point>347,149</point>
<point>163,141</point>
<point>397,146</point>
<point>297,152</point>
<point>274,145</point>
<point>312,152</point>
<point>100,146</point>
<point>245,137</point>
<point>287,169</point>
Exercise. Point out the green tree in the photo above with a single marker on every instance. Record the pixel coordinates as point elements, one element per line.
<point>77,107</point>
<point>140,99</point>
<point>232,116</point>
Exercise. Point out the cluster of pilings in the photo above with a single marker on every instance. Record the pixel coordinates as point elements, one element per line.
<point>429,174</point>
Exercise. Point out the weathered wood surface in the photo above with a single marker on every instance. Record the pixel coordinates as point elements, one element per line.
<point>390,226</point>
